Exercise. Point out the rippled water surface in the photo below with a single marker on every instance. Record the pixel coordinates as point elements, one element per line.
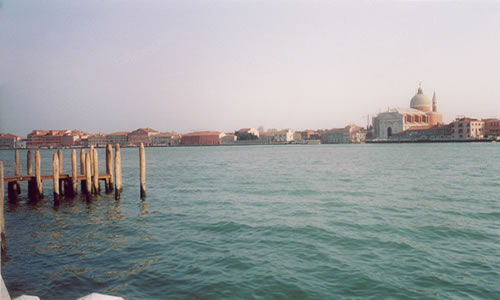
<point>266,222</point>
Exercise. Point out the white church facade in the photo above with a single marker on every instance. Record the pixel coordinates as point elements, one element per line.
<point>419,115</point>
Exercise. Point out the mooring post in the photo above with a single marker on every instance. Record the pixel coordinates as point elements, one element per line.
<point>2,220</point>
<point>31,182</point>
<point>74,173</point>
<point>91,151</point>
<point>14,188</point>
<point>96,173</point>
<point>82,168</point>
<point>60,156</point>
<point>55,175</point>
<point>18,172</point>
<point>38,176</point>
<point>118,172</point>
<point>109,168</point>
<point>142,158</point>
<point>88,175</point>
<point>29,166</point>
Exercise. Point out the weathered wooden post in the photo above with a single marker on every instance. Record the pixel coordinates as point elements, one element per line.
<point>109,168</point>
<point>96,173</point>
<point>13,188</point>
<point>60,156</point>
<point>29,166</point>
<point>142,158</point>
<point>38,175</point>
<point>82,168</point>
<point>55,175</point>
<point>32,181</point>
<point>91,151</point>
<point>74,173</point>
<point>118,172</point>
<point>18,172</point>
<point>88,175</point>
<point>2,220</point>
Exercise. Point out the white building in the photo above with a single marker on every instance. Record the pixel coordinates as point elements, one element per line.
<point>283,136</point>
<point>397,120</point>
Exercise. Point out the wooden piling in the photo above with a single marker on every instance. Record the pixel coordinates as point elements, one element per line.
<point>17,185</point>
<point>96,173</point>
<point>55,175</point>
<point>2,220</point>
<point>91,151</point>
<point>74,173</point>
<point>109,168</point>
<point>142,161</point>
<point>82,168</point>
<point>12,190</point>
<point>118,172</point>
<point>38,176</point>
<point>88,175</point>
<point>60,155</point>
<point>29,165</point>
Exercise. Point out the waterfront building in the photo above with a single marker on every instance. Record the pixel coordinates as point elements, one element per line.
<point>283,136</point>
<point>297,136</point>
<point>467,128</point>
<point>98,140</point>
<point>351,134</point>
<point>309,135</point>
<point>120,138</point>
<point>9,141</point>
<point>267,137</point>
<point>420,113</point>
<point>491,128</point>
<point>228,138</point>
<point>436,132</point>
<point>161,139</point>
<point>54,138</point>
<point>354,134</point>
<point>141,135</point>
<point>247,134</point>
<point>333,136</point>
<point>202,138</point>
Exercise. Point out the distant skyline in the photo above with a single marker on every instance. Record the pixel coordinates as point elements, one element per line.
<point>106,66</point>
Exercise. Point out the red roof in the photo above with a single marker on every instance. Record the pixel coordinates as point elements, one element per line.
<point>8,135</point>
<point>203,133</point>
<point>119,133</point>
<point>266,134</point>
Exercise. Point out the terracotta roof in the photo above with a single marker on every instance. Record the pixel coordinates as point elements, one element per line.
<point>119,133</point>
<point>267,134</point>
<point>8,135</point>
<point>147,130</point>
<point>203,133</point>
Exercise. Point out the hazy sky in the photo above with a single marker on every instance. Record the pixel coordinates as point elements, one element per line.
<point>104,66</point>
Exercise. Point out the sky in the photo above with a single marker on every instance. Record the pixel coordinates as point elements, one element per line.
<point>189,65</point>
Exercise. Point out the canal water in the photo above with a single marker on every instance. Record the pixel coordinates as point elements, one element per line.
<point>270,222</point>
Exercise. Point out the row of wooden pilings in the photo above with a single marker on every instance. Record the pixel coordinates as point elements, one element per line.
<point>89,177</point>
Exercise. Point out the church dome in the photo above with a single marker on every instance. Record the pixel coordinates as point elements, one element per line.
<point>420,101</point>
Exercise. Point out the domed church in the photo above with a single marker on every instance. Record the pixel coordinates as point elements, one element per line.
<point>420,115</point>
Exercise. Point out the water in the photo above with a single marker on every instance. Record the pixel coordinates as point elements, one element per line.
<point>267,222</point>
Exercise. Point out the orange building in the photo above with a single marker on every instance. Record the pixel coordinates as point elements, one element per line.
<point>491,127</point>
<point>202,138</point>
